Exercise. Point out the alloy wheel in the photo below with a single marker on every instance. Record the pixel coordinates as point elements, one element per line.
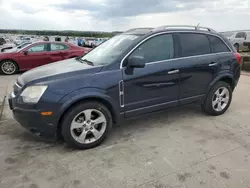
<point>88,126</point>
<point>220,99</point>
<point>8,67</point>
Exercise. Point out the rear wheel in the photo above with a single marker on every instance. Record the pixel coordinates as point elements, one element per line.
<point>86,125</point>
<point>218,99</point>
<point>8,67</point>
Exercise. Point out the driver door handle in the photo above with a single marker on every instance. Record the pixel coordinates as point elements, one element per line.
<point>212,64</point>
<point>173,71</point>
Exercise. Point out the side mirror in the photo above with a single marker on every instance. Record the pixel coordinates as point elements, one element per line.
<point>136,62</point>
<point>25,52</point>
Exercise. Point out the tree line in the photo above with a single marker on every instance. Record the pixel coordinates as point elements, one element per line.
<point>60,33</point>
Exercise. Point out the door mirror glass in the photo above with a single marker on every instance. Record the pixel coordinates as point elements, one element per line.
<point>136,62</point>
<point>25,52</point>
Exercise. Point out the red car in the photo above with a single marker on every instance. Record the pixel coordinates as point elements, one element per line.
<point>37,54</point>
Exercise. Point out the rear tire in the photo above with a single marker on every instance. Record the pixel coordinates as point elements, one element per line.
<point>8,67</point>
<point>218,99</point>
<point>86,125</point>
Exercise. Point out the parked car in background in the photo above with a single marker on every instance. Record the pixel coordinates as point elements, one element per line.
<point>37,54</point>
<point>89,42</point>
<point>13,48</point>
<point>2,41</point>
<point>46,38</point>
<point>241,40</point>
<point>22,39</point>
<point>138,72</point>
<point>97,42</point>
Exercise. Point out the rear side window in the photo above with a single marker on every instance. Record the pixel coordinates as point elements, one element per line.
<point>57,47</point>
<point>193,44</point>
<point>218,45</point>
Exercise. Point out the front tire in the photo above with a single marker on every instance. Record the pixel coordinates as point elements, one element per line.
<point>218,99</point>
<point>86,125</point>
<point>8,67</point>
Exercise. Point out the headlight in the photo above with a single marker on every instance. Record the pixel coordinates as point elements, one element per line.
<point>32,94</point>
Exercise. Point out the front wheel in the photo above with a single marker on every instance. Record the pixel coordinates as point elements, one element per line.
<point>8,67</point>
<point>86,125</point>
<point>218,99</point>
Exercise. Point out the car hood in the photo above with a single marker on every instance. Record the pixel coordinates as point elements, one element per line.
<point>59,70</point>
<point>7,54</point>
<point>14,49</point>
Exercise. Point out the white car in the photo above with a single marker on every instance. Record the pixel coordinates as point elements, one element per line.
<point>22,40</point>
<point>13,47</point>
<point>240,40</point>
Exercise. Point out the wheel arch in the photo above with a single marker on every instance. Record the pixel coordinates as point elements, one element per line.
<point>227,77</point>
<point>238,45</point>
<point>104,100</point>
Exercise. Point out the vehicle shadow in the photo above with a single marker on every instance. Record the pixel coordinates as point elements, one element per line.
<point>163,119</point>
<point>119,134</point>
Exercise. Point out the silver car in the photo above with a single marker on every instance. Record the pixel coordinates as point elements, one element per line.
<point>241,40</point>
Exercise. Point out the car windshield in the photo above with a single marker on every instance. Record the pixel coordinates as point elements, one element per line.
<point>20,49</point>
<point>108,51</point>
<point>23,45</point>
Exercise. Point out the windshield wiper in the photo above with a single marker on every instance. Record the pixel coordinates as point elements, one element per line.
<point>88,62</point>
<point>84,61</point>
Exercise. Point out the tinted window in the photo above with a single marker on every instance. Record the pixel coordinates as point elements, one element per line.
<point>55,47</point>
<point>156,49</point>
<point>218,45</point>
<point>38,48</point>
<point>194,44</point>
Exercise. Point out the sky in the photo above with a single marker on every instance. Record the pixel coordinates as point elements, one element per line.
<point>120,15</point>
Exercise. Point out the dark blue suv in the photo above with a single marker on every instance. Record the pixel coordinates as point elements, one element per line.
<point>138,72</point>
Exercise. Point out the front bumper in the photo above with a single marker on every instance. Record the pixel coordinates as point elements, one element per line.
<point>32,120</point>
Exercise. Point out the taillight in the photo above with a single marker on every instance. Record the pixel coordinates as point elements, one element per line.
<point>238,57</point>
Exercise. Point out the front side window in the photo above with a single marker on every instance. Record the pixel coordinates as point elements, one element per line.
<point>193,44</point>
<point>240,35</point>
<point>57,47</point>
<point>218,45</point>
<point>158,48</point>
<point>38,48</point>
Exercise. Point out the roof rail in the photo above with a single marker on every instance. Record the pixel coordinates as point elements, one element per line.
<point>138,29</point>
<point>164,27</point>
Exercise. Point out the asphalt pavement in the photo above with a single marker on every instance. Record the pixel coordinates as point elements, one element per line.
<point>178,148</point>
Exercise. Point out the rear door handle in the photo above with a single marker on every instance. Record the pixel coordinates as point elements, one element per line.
<point>173,71</point>
<point>212,64</point>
